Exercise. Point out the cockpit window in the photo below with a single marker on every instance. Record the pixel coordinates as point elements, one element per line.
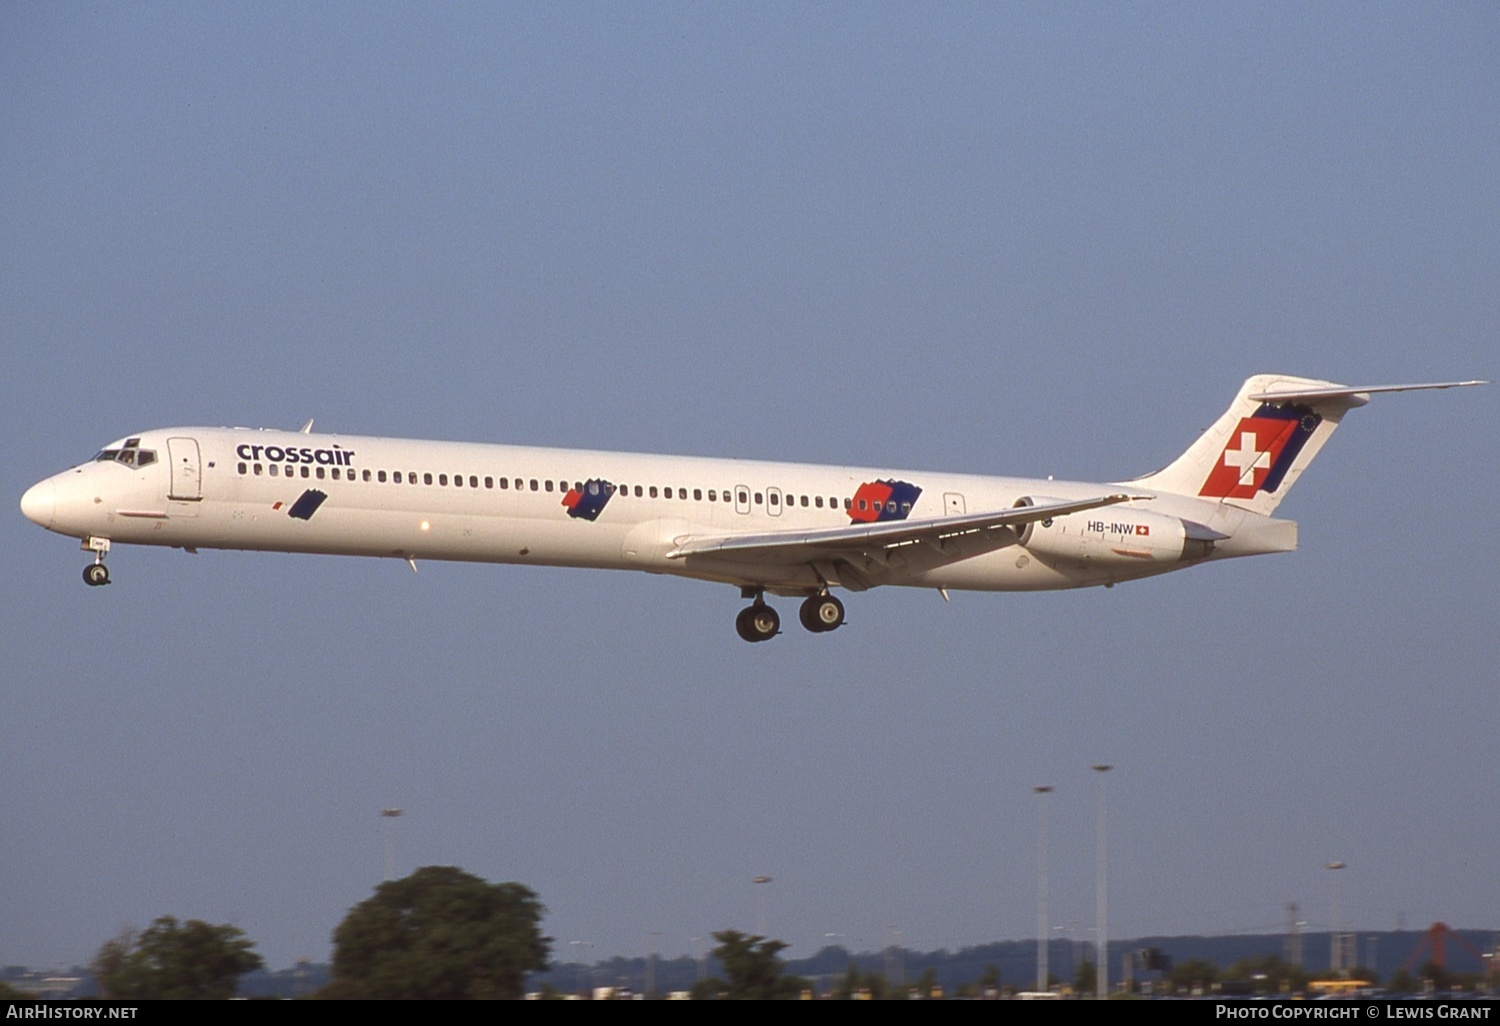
<point>131,454</point>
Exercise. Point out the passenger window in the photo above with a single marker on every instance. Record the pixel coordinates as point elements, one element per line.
<point>489,482</point>
<point>637,491</point>
<point>427,479</point>
<point>380,476</point>
<point>534,485</point>
<point>306,472</point>
<point>757,498</point>
<point>653,491</point>
<point>804,501</point>
<point>335,473</point>
<point>861,504</point>
<point>320,473</point>
<point>273,469</point>
<point>547,484</point>
<point>366,476</point>
<point>697,494</point>
<point>257,470</point>
<point>505,483</point>
<point>474,481</point>
<point>443,480</point>
<point>411,477</point>
<point>775,499</point>
<point>818,501</point>
<point>243,469</point>
<point>712,495</point>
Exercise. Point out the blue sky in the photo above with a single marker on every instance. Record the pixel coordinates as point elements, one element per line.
<point>1025,239</point>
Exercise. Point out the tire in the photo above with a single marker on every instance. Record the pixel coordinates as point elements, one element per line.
<point>757,623</point>
<point>822,613</point>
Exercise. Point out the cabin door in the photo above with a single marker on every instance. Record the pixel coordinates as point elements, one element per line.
<point>187,484</point>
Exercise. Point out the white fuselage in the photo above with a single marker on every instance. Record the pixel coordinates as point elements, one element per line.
<point>237,488</point>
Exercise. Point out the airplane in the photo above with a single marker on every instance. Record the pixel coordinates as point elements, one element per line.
<point>793,530</point>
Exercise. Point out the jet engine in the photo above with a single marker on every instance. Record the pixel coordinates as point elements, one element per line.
<point>1117,535</point>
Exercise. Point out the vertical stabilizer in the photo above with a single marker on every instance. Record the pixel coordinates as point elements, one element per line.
<point>1255,452</point>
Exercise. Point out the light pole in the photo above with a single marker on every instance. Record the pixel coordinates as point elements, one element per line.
<point>760,904</point>
<point>829,940</point>
<point>1042,933</point>
<point>1101,967</point>
<point>390,816</point>
<point>1336,951</point>
<point>651,962</point>
<point>583,967</point>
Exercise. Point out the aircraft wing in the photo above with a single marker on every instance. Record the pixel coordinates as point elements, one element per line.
<point>799,545</point>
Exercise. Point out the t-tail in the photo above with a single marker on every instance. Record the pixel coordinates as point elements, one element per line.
<point>1255,452</point>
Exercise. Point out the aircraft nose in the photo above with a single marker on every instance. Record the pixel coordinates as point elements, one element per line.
<point>40,503</point>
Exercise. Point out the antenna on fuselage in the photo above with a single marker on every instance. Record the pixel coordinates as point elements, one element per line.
<point>306,429</point>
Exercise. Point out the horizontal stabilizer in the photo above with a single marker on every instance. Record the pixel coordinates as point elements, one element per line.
<point>1313,396</point>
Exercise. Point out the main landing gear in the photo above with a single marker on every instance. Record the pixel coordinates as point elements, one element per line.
<point>759,622</point>
<point>96,573</point>
<point>821,613</point>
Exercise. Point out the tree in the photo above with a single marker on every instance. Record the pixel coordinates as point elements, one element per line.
<point>1084,978</point>
<point>192,960</point>
<point>440,933</point>
<point>754,971</point>
<point>1194,974</point>
<point>1264,974</point>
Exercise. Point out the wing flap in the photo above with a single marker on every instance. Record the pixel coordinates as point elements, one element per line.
<point>797,546</point>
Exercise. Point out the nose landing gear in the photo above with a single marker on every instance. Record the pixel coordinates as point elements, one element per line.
<point>96,573</point>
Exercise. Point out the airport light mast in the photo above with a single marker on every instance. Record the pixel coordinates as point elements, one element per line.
<point>1101,966</point>
<point>1042,933</point>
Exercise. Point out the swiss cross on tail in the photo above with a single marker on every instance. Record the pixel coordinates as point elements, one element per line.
<point>1261,449</point>
<point>588,502</point>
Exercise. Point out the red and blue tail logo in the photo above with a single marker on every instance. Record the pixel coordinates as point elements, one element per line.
<point>1260,451</point>
<point>589,501</point>
<point>878,501</point>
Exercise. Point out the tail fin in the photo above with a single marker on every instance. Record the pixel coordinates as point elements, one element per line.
<point>1255,452</point>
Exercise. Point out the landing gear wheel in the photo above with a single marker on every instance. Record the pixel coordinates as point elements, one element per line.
<point>95,574</point>
<point>821,613</point>
<point>757,623</point>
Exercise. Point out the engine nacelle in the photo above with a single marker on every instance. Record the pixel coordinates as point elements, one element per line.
<point>1118,535</point>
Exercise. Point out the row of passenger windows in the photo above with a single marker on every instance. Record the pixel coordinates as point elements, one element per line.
<point>411,477</point>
